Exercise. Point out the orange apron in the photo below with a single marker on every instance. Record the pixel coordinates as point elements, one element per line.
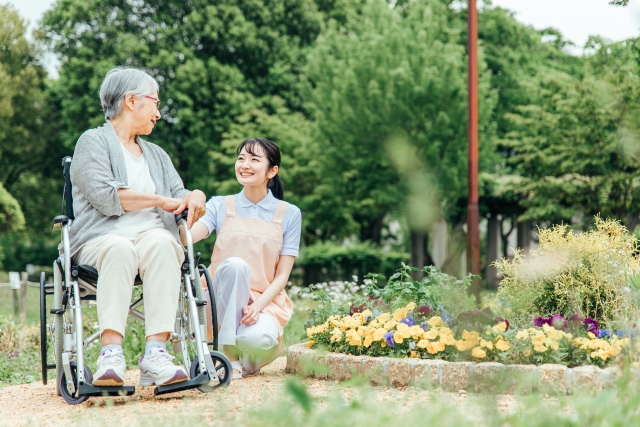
<point>258,242</point>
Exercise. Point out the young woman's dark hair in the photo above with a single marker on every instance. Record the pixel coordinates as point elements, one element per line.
<point>272,152</point>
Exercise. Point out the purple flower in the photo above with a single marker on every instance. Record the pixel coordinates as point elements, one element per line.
<point>591,325</point>
<point>424,326</point>
<point>424,310</point>
<point>557,321</point>
<point>357,309</point>
<point>388,337</point>
<point>409,320</point>
<point>539,321</point>
<point>604,332</point>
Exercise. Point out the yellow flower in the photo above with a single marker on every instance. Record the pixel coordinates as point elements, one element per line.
<point>478,353</point>
<point>366,313</point>
<point>471,336</point>
<point>410,306</point>
<point>435,347</point>
<point>539,348</point>
<point>416,332</point>
<point>500,327</point>
<point>415,354</point>
<point>435,321</point>
<point>379,334</point>
<point>522,335</point>
<point>368,340</point>
<point>538,339</point>
<point>591,335</point>
<point>336,335</point>
<point>503,345</point>
<point>447,339</point>
<point>390,324</point>
<point>353,338</point>
<point>384,317</point>
<point>311,343</point>
<point>431,334</point>
<point>423,343</point>
<point>486,344</point>
<point>400,314</point>
<point>462,345</point>
<point>527,352</point>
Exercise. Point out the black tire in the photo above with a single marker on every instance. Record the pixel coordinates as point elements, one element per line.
<point>43,327</point>
<point>214,314</point>
<point>62,384</point>
<point>223,369</point>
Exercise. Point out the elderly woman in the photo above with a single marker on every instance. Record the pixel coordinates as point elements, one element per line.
<point>125,194</point>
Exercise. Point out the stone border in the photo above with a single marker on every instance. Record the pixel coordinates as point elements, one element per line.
<point>451,376</point>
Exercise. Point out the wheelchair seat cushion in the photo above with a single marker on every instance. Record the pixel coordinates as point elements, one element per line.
<point>90,274</point>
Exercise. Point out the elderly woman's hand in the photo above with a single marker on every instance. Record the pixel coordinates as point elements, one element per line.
<point>196,203</point>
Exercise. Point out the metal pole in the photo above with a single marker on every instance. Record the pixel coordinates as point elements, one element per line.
<point>473,227</point>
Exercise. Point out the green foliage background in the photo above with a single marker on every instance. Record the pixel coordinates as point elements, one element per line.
<point>366,100</point>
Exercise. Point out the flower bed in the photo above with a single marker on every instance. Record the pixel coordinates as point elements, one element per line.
<point>414,333</point>
<point>452,376</point>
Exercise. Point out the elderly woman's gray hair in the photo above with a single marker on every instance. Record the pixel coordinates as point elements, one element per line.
<point>120,82</point>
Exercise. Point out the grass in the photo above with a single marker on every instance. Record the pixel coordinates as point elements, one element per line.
<point>33,303</point>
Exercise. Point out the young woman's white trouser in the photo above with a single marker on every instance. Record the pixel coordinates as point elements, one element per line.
<point>232,291</point>
<point>157,256</point>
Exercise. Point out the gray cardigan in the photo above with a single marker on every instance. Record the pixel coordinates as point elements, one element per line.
<point>98,170</point>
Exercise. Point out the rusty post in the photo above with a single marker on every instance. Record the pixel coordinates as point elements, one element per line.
<point>473,219</point>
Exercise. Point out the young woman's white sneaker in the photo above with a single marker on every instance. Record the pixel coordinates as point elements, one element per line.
<point>157,368</point>
<point>111,369</point>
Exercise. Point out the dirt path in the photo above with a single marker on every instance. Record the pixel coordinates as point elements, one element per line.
<point>35,404</point>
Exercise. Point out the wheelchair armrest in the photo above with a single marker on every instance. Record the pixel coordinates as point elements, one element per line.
<point>59,221</point>
<point>182,215</point>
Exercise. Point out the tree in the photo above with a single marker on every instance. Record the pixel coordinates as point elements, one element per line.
<point>578,149</point>
<point>214,62</point>
<point>394,76</point>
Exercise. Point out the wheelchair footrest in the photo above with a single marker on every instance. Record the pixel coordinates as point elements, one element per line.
<point>200,380</point>
<point>90,390</point>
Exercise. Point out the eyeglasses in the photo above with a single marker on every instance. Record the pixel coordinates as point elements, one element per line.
<point>155,99</point>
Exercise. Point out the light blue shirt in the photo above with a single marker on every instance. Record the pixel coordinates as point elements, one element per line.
<point>264,209</point>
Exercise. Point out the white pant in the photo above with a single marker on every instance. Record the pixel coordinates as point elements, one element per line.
<point>157,255</point>
<point>231,286</point>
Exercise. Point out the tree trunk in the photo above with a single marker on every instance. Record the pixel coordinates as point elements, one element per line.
<point>493,249</point>
<point>418,245</point>
<point>524,236</point>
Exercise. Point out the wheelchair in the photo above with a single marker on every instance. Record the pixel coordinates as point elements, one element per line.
<point>208,369</point>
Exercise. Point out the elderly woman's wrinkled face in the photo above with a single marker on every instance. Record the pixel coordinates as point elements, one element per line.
<point>146,113</point>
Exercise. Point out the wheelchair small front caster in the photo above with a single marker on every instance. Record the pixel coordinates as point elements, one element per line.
<point>73,399</point>
<point>223,369</point>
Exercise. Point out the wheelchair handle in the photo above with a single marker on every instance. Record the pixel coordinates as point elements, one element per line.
<point>182,215</point>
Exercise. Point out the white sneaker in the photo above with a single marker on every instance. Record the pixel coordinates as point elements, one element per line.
<point>157,368</point>
<point>111,369</point>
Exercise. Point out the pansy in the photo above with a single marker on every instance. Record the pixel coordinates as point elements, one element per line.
<point>409,320</point>
<point>388,338</point>
<point>478,353</point>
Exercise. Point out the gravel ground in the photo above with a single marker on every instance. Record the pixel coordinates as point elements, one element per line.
<point>35,404</point>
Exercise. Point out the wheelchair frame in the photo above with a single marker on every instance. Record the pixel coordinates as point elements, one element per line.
<point>208,371</point>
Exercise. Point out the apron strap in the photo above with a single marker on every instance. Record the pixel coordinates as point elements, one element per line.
<point>280,210</point>
<point>230,203</point>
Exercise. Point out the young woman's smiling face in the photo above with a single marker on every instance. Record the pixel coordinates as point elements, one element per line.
<point>253,169</point>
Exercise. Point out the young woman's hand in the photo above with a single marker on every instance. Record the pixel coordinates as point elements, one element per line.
<point>251,314</point>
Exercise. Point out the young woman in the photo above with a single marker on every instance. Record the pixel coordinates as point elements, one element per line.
<point>257,242</point>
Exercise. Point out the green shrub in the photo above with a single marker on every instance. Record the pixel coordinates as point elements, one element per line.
<point>331,261</point>
<point>586,273</point>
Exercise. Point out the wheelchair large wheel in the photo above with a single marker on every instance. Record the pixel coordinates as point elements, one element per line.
<point>223,369</point>
<point>58,332</point>
<point>43,327</point>
<point>214,315</point>
<point>62,384</point>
